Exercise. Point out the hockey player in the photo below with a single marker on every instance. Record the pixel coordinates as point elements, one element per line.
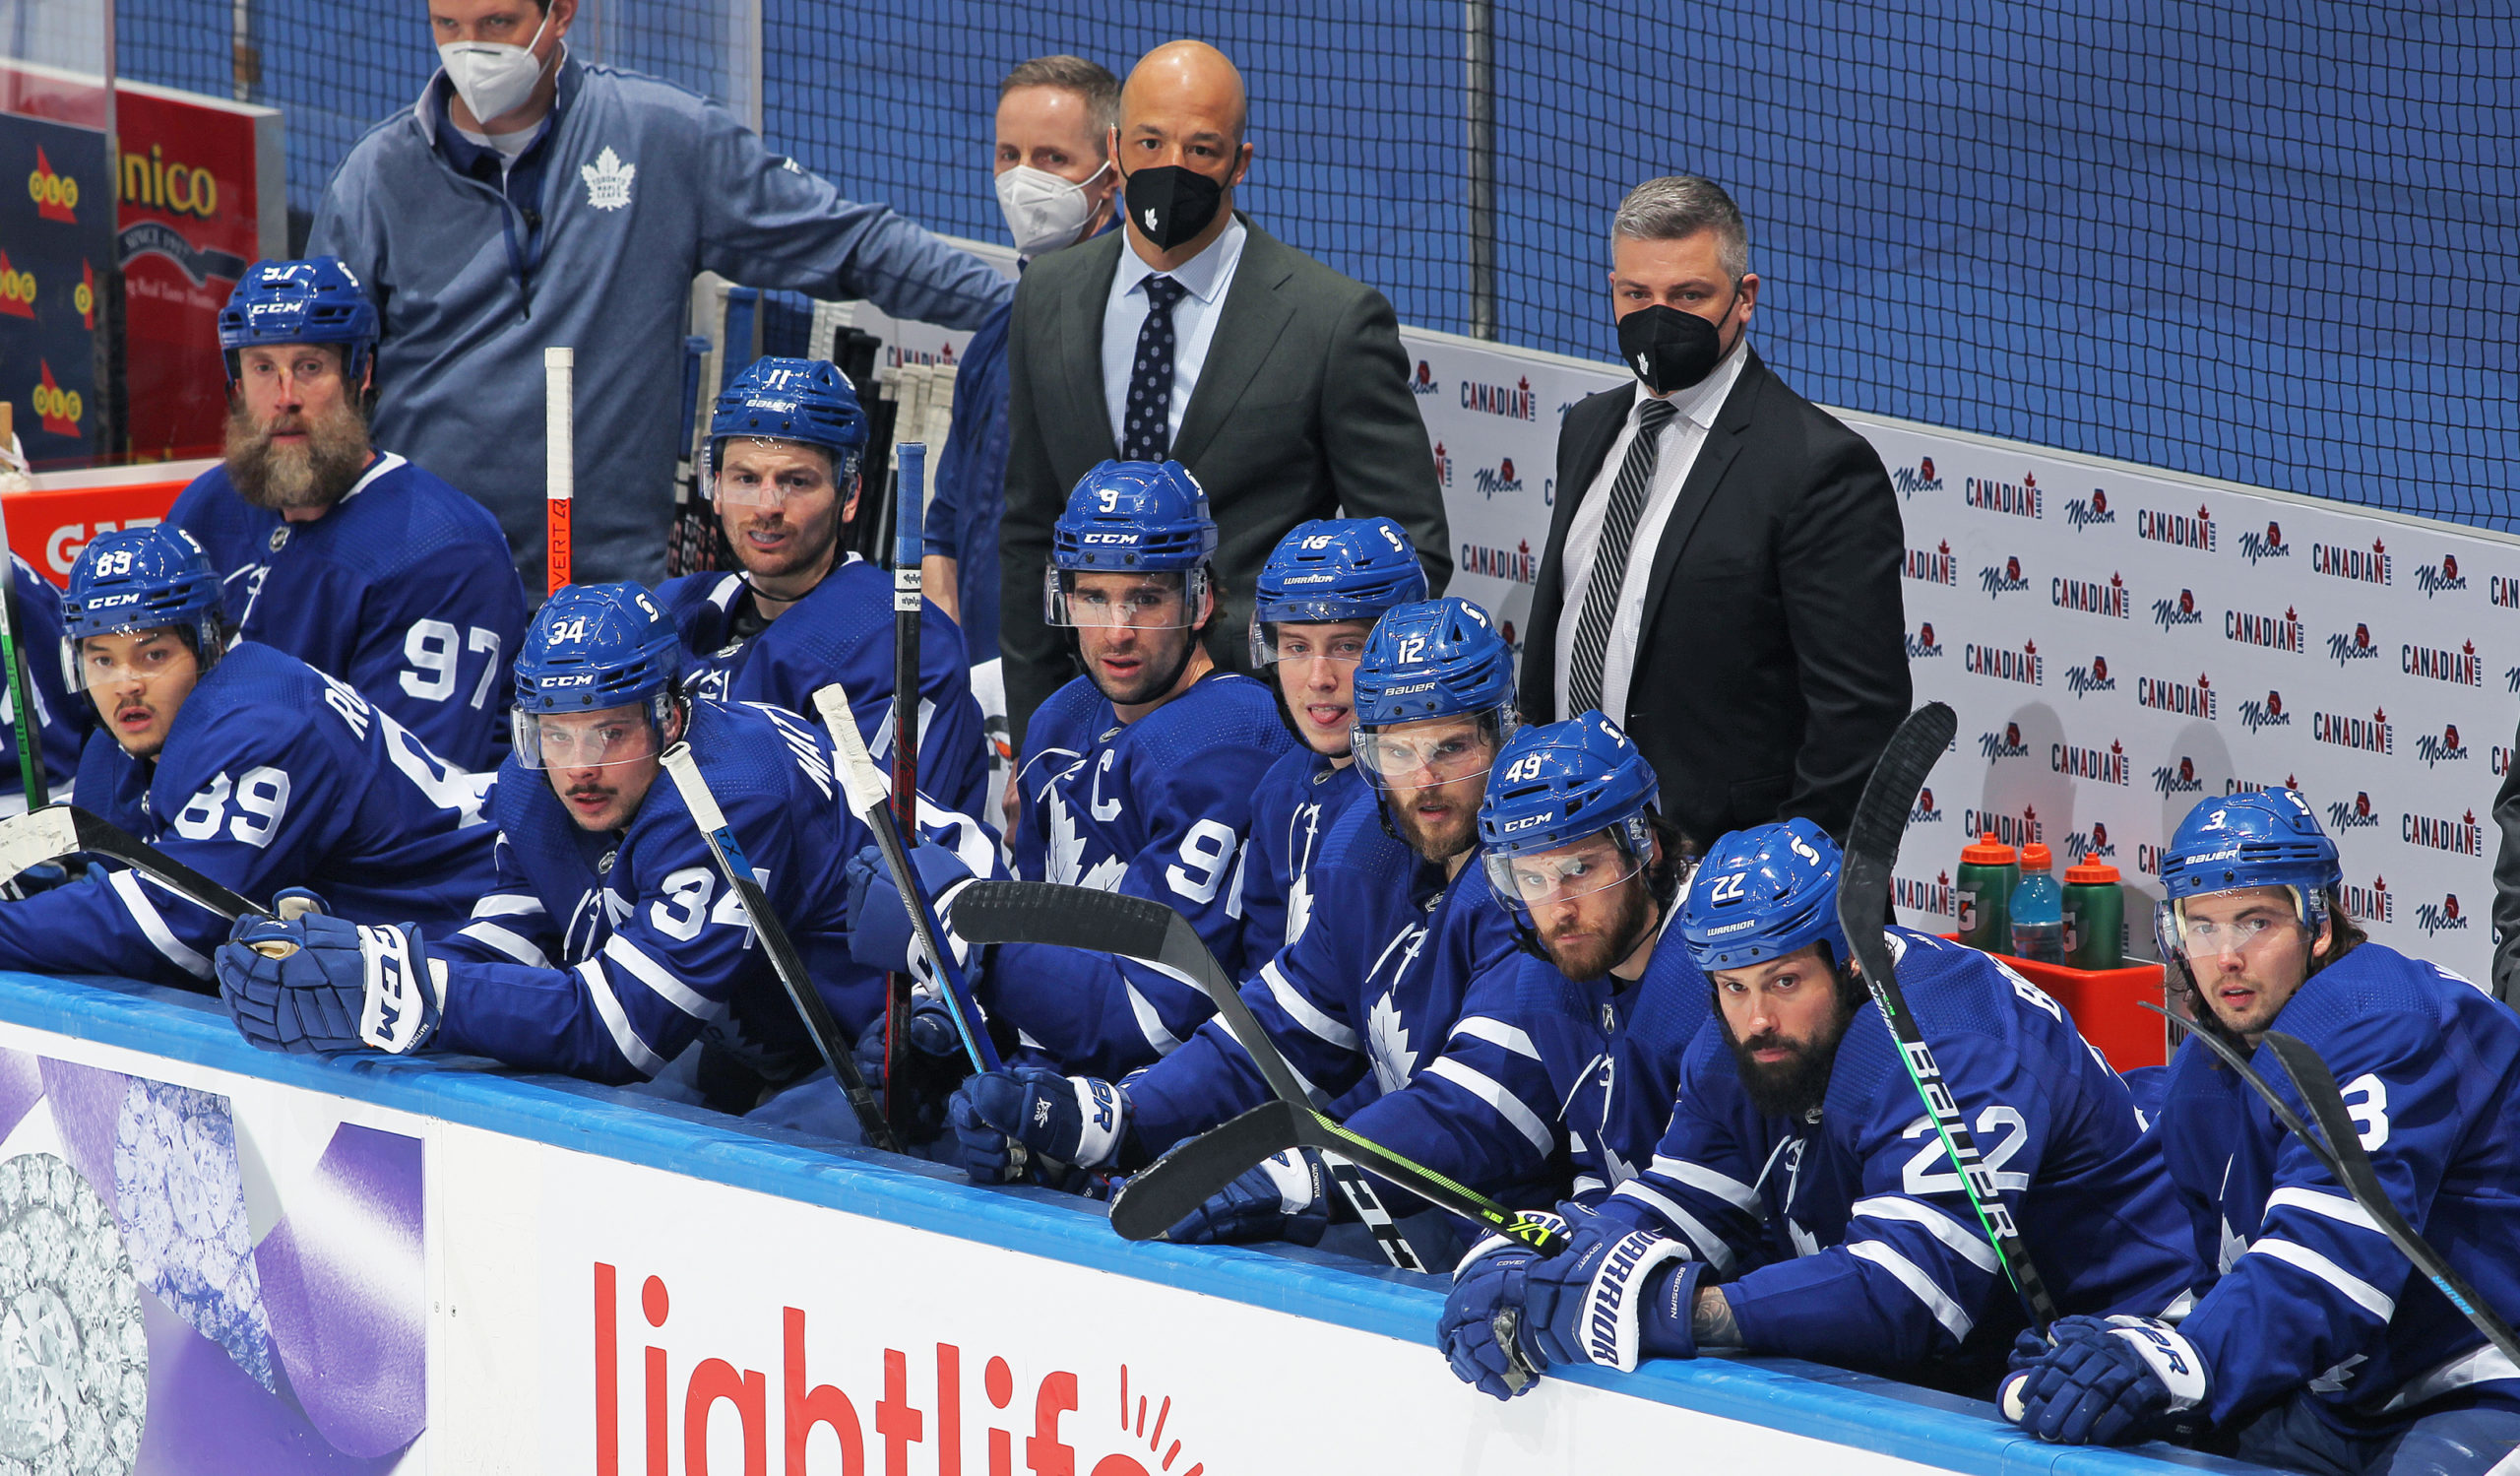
<point>783,448</point>
<point>349,559</point>
<point>59,724</point>
<point>2309,1339</point>
<point>1801,1171</point>
<point>241,762</point>
<point>1319,595</point>
<point>1390,1006</point>
<point>1136,777</point>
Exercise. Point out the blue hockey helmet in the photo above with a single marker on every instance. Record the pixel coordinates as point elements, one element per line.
<point>1332,569</point>
<point>807,401</point>
<point>136,579</point>
<point>316,300</point>
<point>1555,787</point>
<point>1130,517</point>
<point>1432,659</point>
<point>595,647</point>
<point>2267,839</point>
<point>1762,893</point>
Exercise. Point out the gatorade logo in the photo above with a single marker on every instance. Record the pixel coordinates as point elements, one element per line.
<point>56,196</point>
<point>17,290</point>
<point>59,408</point>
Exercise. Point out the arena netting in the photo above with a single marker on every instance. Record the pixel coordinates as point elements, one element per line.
<point>2272,243</point>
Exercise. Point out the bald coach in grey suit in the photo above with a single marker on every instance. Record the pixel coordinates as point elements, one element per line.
<point>1299,407</point>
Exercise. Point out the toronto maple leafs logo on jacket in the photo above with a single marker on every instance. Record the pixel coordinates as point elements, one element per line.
<point>608,180</point>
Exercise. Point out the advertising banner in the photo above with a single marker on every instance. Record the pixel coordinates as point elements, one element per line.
<point>56,242</point>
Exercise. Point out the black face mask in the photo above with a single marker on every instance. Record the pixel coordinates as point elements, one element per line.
<point>1667,348</point>
<point>1170,204</point>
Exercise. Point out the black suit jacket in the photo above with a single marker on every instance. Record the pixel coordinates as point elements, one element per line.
<point>1301,410</point>
<point>1772,663</point>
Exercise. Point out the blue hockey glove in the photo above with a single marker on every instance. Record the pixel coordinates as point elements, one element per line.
<point>879,930</point>
<point>290,903</point>
<point>314,983</point>
<point>1284,1197</point>
<point>2106,1381</point>
<point>1489,1281</point>
<point>1073,1121</point>
<point>1610,1298</point>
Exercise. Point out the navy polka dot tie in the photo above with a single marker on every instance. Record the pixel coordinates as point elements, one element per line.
<point>1147,428</point>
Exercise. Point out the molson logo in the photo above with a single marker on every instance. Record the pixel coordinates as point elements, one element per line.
<point>2090,597</point>
<point>1937,567</point>
<point>2264,546</point>
<point>2250,628</point>
<point>1924,896</point>
<point>1923,646</point>
<point>2270,713</point>
<point>2180,780</point>
<point>2023,666</point>
<point>1919,477</point>
<point>1496,400</point>
<point>2441,749</point>
<point>2004,745</point>
<point>2442,918</point>
<point>2093,843</point>
<point>2361,565</point>
<point>178,189</point>
<point>2343,647</point>
<point>2177,529</point>
<point>2095,677</point>
<point>56,196</point>
<point>2182,610</point>
<point>2108,767</point>
<point>2371,904</point>
<point>2459,837</point>
<point>2083,512</point>
<point>2019,498</point>
<point>2186,700</point>
<point>17,289</point>
<point>2010,830</point>
<point>1423,381</point>
<point>1443,465</point>
<point>2440,578</point>
<point>2370,735</point>
<point>2006,580</point>
<point>2460,667</point>
<point>1500,478</point>
<point>1925,812</point>
<point>1516,564</point>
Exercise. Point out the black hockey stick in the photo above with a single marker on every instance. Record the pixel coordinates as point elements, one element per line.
<point>55,831</point>
<point>910,515</point>
<point>1864,897</point>
<point>2342,1156</point>
<point>1072,917</point>
<point>783,958</point>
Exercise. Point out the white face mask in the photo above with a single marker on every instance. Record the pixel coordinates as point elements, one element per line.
<point>1043,210</point>
<point>493,78</point>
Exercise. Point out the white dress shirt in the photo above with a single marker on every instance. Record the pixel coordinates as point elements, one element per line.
<point>1207,275</point>
<point>1682,436</point>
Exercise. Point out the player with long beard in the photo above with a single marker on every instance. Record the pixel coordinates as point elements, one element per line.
<point>349,559</point>
<point>797,612</point>
<point>1800,1202</point>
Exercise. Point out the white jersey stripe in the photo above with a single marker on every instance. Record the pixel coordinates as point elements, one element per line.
<point>1490,1091</point>
<point>2481,1365</point>
<point>625,1038</point>
<point>514,946</point>
<point>1151,1023</point>
<point>2357,1290</point>
<point>507,905</point>
<point>1710,1247</point>
<point>1971,1245</point>
<point>153,925</point>
<point>1944,1310</point>
<point>2336,1207</point>
<point>1497,1033</point>
<point>656,977</point>
<point>1303,1011</point>
<point>1708,1181</point>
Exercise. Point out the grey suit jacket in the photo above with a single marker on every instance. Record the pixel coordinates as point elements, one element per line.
<point>1301,410</point>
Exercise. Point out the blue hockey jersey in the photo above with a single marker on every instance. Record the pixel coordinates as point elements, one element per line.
<point>840,631</point>
<point>404,590</point>
<point>60,721</point>
<point>2300,1286</point>
<point>1158,808</point>
<point>1298,804</point>
<point>1849,1238</point>
<point>1396,1011</point>
<point>273,775</point>
<point>606,954</point>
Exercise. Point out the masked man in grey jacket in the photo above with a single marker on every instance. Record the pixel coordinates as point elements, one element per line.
<point>528,199</point>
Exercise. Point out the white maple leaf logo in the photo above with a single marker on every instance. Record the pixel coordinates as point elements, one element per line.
<point>1067,851</point>
<point>1388,1036</point>
<point>608,180</point>
<point>1298,907</point>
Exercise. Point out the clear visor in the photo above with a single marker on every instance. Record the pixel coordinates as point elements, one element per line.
<point>1153,601</point>
<point>1561,873</point>
<point>125,659</point>
<point>586,740</point>
<point>1290,641</point>
<point>2210,938</point>
<point>1431,751</point>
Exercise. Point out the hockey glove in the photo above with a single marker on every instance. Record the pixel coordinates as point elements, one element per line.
<point>316,984</point>
<point>1489,1281</point>
<point>2106,1382</point>
<point>1610,1298</point>
<point>1070,1120</point>
<point>880,936</point>
<point>1284,1198</point>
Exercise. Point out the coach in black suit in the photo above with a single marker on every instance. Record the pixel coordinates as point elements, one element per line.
<point>1722,571</point>
<point>1195,335</point>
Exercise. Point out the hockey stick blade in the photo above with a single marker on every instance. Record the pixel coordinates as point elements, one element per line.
<point>100,836</point>
<point>38,836</point>
<point>1168,1191</point>
<point>1864,898</point>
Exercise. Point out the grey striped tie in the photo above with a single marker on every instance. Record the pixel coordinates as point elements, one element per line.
<point>1610,558</point>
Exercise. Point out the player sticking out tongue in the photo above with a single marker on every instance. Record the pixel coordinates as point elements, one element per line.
<point>785,441</point>
<point>1434,702</point>
<point>1318,597</point>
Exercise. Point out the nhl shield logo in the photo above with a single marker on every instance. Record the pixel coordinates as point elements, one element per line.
<point>608,180</point>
